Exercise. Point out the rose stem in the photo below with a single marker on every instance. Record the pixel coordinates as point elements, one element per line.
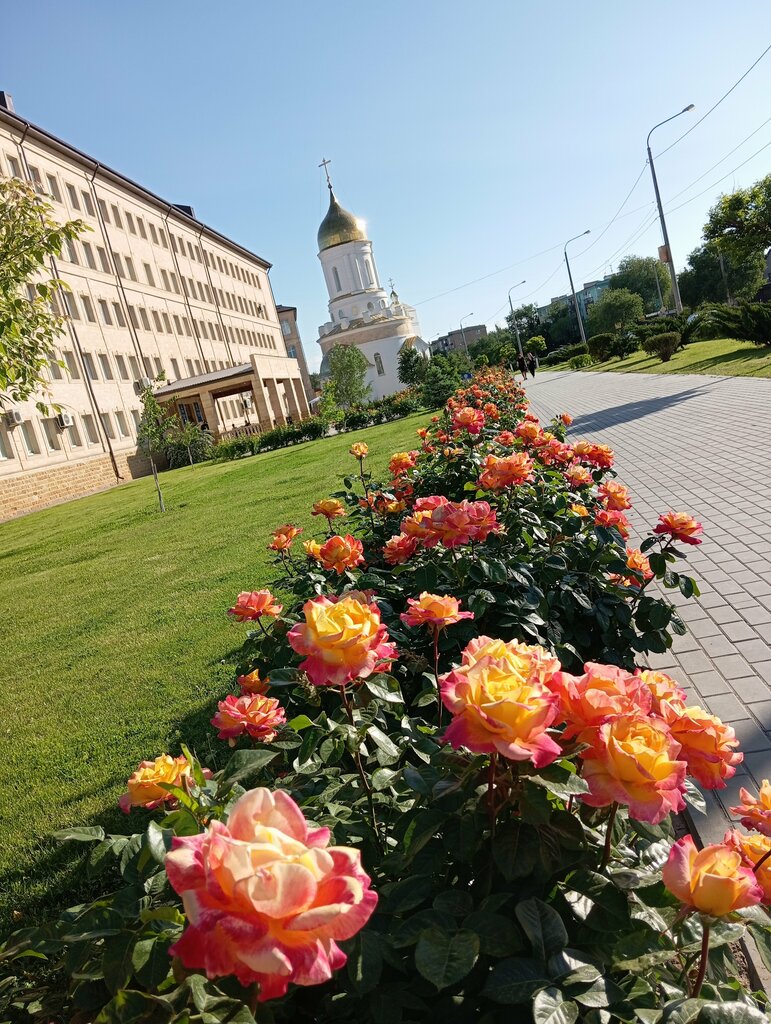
<point>490,793</point>
<point>762,860</point>
<point>436,674</point>
<point>703,964</point>
<point>362,774</point>
<point>608,837</point>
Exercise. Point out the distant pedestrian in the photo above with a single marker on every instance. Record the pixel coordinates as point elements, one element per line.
<point>522,365</point>
<point>531,363</point>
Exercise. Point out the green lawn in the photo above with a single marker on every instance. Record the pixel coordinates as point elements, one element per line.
<point>114,632</point>
<point>723,357</point>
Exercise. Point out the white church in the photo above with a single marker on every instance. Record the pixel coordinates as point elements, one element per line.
<point>361,313</point>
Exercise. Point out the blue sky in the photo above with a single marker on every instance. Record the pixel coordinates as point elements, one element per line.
<point>470,137</point>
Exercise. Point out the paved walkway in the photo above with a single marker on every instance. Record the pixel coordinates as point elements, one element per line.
<point>697,444</point>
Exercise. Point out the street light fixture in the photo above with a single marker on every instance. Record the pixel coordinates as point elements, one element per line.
<point>513,318</point>
<point>572,288</point>
<point>670,260</point>
<point>463,332</point>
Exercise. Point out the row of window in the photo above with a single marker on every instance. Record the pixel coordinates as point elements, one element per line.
<point>99,366</point>
<point>80,200</point>
<point>95,257</point>
<point>114,424</point>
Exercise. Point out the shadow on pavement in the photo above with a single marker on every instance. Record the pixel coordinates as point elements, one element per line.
<point>604,418</point>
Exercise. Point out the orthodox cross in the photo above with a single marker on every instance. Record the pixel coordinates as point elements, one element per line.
<point>325,164</point>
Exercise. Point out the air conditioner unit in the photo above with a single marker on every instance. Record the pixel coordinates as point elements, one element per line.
<point>142,385</point>
<point>63,420</point>
<point>13,418</point>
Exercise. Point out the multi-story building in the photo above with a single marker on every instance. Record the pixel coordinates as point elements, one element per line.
<point>586,296</point>
<point>287,316</point>
<point>152,291</point>
<point>460,340</point>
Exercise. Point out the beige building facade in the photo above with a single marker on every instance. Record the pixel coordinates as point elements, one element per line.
<point>152,291</point>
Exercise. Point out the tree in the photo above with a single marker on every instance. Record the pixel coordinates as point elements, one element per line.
<point>412,367</point>
<point>536,344</point>
<point>328,410</point>
<point>190,436</point>
<point>527,319</point>
<point>315,379</point>
<point>560,327</point>
<point>498,346</point>
<point>702,280</point>
<point>29,326</point>
<point>440,381</point>
<point>347,370</point>
<point>615,309</point>
<point>156,428</point>
<point>741,221</point>
<point>638,274</point>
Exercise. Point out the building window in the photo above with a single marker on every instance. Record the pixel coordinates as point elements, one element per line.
<point>157,322</point>
<point>5,448</point>
<point>336,278</point>
<point>104,362</point>
<point>89,253</point>
<point>51,434</point>
<point>15,169</point>
<point>104,309</point>
<point>29,437</point>
<point>71,305</point>
<point>134,367</point>
<point>190,367</point>
<point>130,222</point>
<point>153,232</point>
<point>167,323</point>
<point>89,425</point>
<point>120,319</point>
<point>133,316</point>
<point>291,351</point>
<point>89,309</point>
<point>379,365</point>
<point>145,319</point>
<point>368,272</point>
<point>37,180</point>
<point>116,216</point>
<point>73,194</point>
<point>286,328</point>
<point>88,204</point>
<point>88,362</point>
<point>74,435</point>
<point>141,226</point>
<point>55,369</point>
<point>103,258</point>
<point>158,367</point>
<point>72,366</point>
<point>103,210</point>
<point>53,187</point>
<point>120,419</point>
<point>109,429</point>
<point>118,265</point>
<point>165,279</point>
<point>136,417</point>
<point>120,362</point>
<point>147,363</point>
<point>149,274</point>
<point>162,236</point>
<point>175,369</point>
<point>130,268</point>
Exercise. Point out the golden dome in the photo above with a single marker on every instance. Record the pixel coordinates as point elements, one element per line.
<point>339,226</point>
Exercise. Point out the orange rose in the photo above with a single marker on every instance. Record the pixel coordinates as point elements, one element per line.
<point>329,507</point>
<point>253,605</point>
<point>566,418</point>
<point>251,714</point>
<point>434,611</point>
<point>612,520</point>
<point>614,495</point>
<point>633,761</point>
<point>603,692</point>
<point>359,449</point>
<point>402,462</point>
<point>341,553</point>
<point>506,472</point>
<point>468,419</point>
<point>707,745</point>
<point>752,849</point>
<point>578,476</point>
<point>529,431</point>
<point>400,549</point>
<point>712,881</point>
<point>663,688</point>
<point>144,786</point>
<point>283,537</point>
<point>599,455</point>
<point>579,510</point>
<point>312,549</point>
<point>679,526</point>
<point>251,682</point>
<point>755,813</point>
<point>505,438</point>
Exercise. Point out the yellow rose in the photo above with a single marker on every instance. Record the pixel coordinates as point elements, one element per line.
<point>144,786</point>
<point>713,880</point>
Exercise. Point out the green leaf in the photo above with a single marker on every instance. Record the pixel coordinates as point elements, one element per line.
<point>158,841</point>
<point>515,850</point>
<point>389,752</point>
<point>694,797</point>
<point>150,960</point>
<point>515,980</point>
<point>300,722</point>
<point>382,778</point>
<point>244,764</point>
<point>365,962</point>
<point>80,834</point>
<point>423,827</point>
<point>130,1007</point>
<point>550,1008</point>
<point>564,785</point>
<point>730,1013</point>
<point>542,925</point>
<point>597,902</point>
<point>117,961</point>
<point>498,935</point>
<point>444,959</point>
<point>378,687</point>
<point>453,902</point>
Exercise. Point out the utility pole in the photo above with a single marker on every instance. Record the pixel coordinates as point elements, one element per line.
<point>514,319</point>
<point>572,287</point>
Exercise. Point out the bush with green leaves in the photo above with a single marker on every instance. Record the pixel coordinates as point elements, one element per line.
<point>600,346</point>
<point>624,345</point>
<point>515,832</point>
<point>563,354</point>
<point>749,321</point>
<point>229,448</point>
<point>440,382</point>
<point>578,362</point>
<point>662,345</point>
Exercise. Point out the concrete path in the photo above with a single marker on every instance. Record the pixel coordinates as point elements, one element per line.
<point>701,445</point>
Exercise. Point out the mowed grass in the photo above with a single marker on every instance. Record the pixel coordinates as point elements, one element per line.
<point>114,632</point>
<point>722,357</point>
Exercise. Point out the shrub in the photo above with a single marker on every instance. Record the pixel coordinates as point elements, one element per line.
<point>624,345</point>
<point>439,384</point>
<point>576,362</point>
<point>197,445</point>
<point>750,321</point>
<point>536,344</point>
<point>563,354</point>
<point>312,429</point>
<point>277,437</point>
<point>599,346</point>
<point>662,345</point>
<point>233,448</point>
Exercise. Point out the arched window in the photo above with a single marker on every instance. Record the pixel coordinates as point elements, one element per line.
<point>379,365</point>
<point>336,276</point>
<point>370,305</point>
<point>340,315</point>
<point>368,271</point>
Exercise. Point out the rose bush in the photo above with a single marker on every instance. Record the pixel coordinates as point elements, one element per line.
<point>453,776</point>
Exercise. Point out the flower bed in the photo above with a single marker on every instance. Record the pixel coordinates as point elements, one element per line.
<point>451,784</point>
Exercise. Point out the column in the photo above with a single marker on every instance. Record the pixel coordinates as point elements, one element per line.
<point>302,400</point>
<point>264,419</point>
<point>294,409</point>
<point>275,401</point>
<point>209,410</point>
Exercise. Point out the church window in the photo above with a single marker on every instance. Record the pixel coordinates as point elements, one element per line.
<point>340,315</point>
<point>370,305</point>
<point>379,365</point>
<point>382,303</point>
<point>336,276</point>
<point>368,271</point>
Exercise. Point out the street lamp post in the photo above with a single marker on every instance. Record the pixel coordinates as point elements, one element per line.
<point>463,332</point>
<point>572,287</point>
<point>513,318</point>
<point>672,272</point>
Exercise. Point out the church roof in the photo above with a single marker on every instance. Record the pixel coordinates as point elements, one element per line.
<point>339,226</point>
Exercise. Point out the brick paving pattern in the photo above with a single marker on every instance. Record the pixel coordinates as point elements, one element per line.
<point>697,444</point>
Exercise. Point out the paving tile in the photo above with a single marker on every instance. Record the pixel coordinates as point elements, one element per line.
<point>725,615</point>
<point>739,631</point>
<point>751,689</point>
<point>733,666</point>
<point>763,669</point>
<point>704,628</point>
<point>728,707</point>
<point>762,712</point>
<point>697,661</point>
<point>756,614</point>
<point>717,645</point>
<point>758,764</point>
<point>710,683</point>
<point>756,652</point>
<point>752,739</point>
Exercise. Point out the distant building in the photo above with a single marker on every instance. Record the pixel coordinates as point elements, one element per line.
<point>586,297</point>
<point>287,317</point>
<point>458,341</point>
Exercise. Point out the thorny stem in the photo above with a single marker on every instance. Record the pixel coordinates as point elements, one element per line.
<point>436,673</point>
<point>491,793</point>
<point>362,774</point>
<point>608,837</point>
<point>703,964</point>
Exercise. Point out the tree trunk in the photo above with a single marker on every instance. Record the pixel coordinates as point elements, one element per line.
<point>190,455</point>
<point>157,485</point>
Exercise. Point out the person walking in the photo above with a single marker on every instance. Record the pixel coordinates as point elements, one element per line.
<point>522,366</point>
<point>531,363</point>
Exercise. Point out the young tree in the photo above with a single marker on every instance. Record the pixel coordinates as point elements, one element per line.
<point>412,367</point>
<point>315,379</point>
<point>615,309</point>
<point>702,280</point>
<point>441,380</point>
<point>191,437</point>
<point>347,370</point>
<point>328,409</point>
<point>156,427</point>
<point>28,326</point>
<point>536,344</point>
<point>638,274</point>
<point>741,221</point>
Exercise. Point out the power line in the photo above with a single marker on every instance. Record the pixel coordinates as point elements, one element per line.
<point>720,161</point>
<point>616,214</point>
<point>714,183</point>
<point>715,105</point>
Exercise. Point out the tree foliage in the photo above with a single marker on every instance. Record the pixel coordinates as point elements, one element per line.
<point>560,327</point>
<point>348,370</point>
<point>527,320</point>
<point>638,274</point>
<point>702,280</point>
<point>412,367</point>
<point>615,309</point>
<point>741,221</point>
<point>29,325</point>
